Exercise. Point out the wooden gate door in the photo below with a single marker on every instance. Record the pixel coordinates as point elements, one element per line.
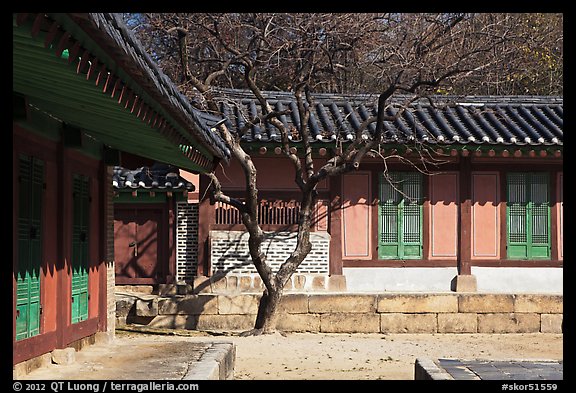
<point>139,246</point>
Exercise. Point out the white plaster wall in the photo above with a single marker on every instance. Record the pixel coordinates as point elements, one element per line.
<point>489,279</point>
<point>517,279</point>
<point>409,279</point>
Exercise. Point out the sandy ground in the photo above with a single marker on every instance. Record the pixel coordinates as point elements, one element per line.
<point>377,356</point>
<point>303,356</point>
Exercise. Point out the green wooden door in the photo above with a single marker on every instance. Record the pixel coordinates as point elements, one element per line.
<point>400,218</point>
<point>81,210</point>
<point>31,180</point>
<point>528,216</point>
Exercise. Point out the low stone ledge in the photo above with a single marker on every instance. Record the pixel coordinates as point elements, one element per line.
<point>417,303</point>
<point>349,323</point>
<point>294,303</point>
<point>191,304</point>
<point>408,323</point>
<point>551,323</point>
<point>226,322</point>
<point>147,306</point>
<point>457,323</point>
<point>485,303</point>
<point>340,303</point>
<point>299,322</point>
<point>544,304</point>
<point>217,363</point>
<point>509,323</point>
<point>238,304</point>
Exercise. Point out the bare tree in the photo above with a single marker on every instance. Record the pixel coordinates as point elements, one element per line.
<point>414,54</point>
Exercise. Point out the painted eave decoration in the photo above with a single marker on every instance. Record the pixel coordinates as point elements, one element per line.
<point>89,71</point>
<point>490,125</point>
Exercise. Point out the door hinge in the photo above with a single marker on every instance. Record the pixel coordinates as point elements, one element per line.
<point>41,309</point>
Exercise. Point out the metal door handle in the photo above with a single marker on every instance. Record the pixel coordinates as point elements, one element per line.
<point>135,245</point>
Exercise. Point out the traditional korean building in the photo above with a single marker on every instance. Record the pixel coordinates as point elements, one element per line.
<point>145,223</point>
<point>84,94</point>
<point>487,217</point>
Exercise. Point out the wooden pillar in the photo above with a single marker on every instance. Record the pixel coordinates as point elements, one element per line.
<point>206,215</point>
<point>335,267</point>
<point>465,281</point>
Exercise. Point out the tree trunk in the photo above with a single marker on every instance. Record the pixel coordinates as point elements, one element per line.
<point>268,310</point>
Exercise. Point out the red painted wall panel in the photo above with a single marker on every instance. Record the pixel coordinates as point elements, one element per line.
<point>485,215</point>
<point>356,216</point>
<point>444,216</point>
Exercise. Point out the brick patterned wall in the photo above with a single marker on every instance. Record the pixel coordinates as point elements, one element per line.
<point>110,271</point>
<point>229,251</point>
<point>186,240</point>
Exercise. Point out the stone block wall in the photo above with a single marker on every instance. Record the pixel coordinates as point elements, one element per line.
<point>370,313</point>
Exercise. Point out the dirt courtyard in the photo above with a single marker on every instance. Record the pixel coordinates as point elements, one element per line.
<point>377,356</point>
<point>302,356</point>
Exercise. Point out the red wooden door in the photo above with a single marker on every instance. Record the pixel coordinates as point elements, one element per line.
<point>138,246</point>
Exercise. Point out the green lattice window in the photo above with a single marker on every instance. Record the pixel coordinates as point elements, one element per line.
<point>400,216</point>
<point>31,181</point>
<point>528,215</point>
<point>80,222</point>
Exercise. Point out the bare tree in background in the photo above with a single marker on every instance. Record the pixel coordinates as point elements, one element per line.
<point>385,54</point>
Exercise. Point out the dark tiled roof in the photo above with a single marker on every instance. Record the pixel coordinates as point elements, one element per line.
<point>142,65</point>
<point>162,177</point>
<point>493,120</point>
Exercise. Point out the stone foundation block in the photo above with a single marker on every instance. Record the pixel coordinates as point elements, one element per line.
<point>124,306</point>
<point>238,304</point>
<point>26,367</point>
<point>319,283</point>
<point>296,303</point>
<point>193,304</point>
<point>340,303</point>
<point>299,322</point>
<point>551,323</point>
<point>245,284</point>
<point>288,285</point>
<point>232,283</point>
<point>137,289</point>
<point>175,322</point>
<point>464,283</point>
<point>337,283</point>
<point>147,306</point>
<point>226,322</point>
<point>486,303</point>
<point>349,323</point>
<point>509,323</point>
<point>417,303</point>
<point>544,304</point>
<point>299,281</point>
<point>218,283</point>
<point>103,337</point>
<point>201,284</point>
<point>408,323</point>
<point>64,356</point>
<point>457,323</point>
<point>258,285</point>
